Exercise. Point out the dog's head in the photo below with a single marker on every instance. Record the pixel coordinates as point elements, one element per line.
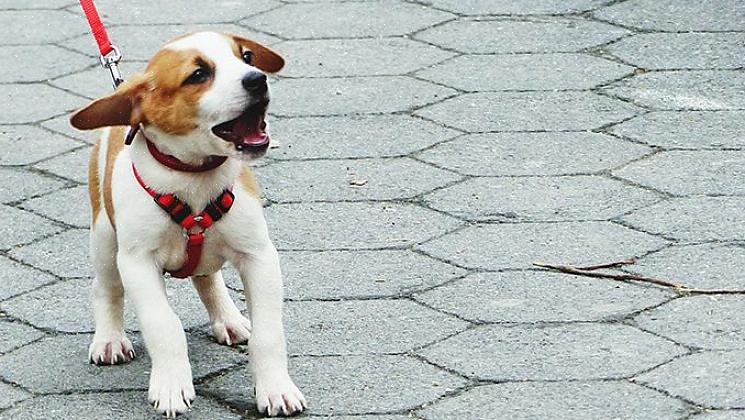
<point>205,93</point>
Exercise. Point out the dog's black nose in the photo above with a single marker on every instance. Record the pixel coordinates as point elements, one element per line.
<point>254,80</point>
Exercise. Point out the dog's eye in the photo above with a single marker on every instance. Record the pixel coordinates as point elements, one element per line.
<point>248,56</point>
<point>200,75</point>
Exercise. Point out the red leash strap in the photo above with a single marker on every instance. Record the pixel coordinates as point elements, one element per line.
<point>99,31</point>
<point>110,55</point>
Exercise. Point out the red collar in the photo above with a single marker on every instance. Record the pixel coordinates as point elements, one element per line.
<point>173,162</point>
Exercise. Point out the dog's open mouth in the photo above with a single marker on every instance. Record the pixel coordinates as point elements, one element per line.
<point>247,132</point>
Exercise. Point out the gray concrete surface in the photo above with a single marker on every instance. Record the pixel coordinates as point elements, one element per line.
<point>428,151</point>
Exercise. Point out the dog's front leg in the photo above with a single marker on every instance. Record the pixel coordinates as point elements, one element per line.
<point>262,281</point>
<point>171,390</point>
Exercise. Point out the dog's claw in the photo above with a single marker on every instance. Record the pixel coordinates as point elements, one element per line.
<point>171,391</point>
<point>110,349</point>
<point>281,396</point>
<point>232,330</point>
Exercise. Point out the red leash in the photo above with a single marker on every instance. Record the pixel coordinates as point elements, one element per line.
<point>110,54</point>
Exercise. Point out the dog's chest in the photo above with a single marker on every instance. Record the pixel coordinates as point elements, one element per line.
<point>172,252</point>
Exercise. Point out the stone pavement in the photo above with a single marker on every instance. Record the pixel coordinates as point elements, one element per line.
<point>429,152</point>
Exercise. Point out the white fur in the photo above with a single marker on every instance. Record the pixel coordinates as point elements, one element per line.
<point>146,241</point>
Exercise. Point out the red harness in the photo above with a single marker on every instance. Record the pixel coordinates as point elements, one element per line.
<point>180,212</point>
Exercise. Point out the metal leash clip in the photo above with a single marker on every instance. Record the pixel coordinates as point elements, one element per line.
<point>110,61</point>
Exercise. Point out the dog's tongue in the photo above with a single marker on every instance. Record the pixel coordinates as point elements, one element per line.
<point>250,130</point>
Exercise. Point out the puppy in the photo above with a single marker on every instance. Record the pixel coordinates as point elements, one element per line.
<point>180,199</point>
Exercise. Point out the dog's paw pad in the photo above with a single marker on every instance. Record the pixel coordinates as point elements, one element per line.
<point>281,398</point>
<point>230,331</point>
<point>111,350</point>
<point>171,395</point>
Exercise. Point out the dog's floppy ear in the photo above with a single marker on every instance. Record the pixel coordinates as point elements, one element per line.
<point>264,58</point>
<point>120,108</point>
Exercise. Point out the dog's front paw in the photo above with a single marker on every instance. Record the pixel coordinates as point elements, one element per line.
<point>277,396</point>
<point>232,330</point>
<point>171,391</point>
<point>110,349</point>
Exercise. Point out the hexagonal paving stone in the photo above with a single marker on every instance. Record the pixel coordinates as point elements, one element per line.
<point>140,42</point>
<point>66,306</point>
<point>720,415</point>
<point>25,144</point>
<point>556,352</point>
<point>515,154</point>
<point>356,327</point>
<point>357,57</point>
<point>61,124</point>
<point>693,219</point>
<point>348,180</point>
<point>711,322</point>
<point>92,83</point>
<point>46,4</point>
<point>704,266</point>
<point>338,96</point>
<point>52,26</point>
<point>509,36</point>
<point>351,384</point>
<point>354,136</point>
<point>65,255</point>
<point>92,406</point>
<point>525,72</point>
<point>709,379</point>
<point>75,212</point>
<point>676,16</point>
<point>26,227</point>
<point>688,130</point>
<point>518,245</point>
<point>367,417</point>
<point>616,400</point>
<point>532,296</point>
<point>684,172</point>
<point>515,7</point>
<point>72,165</point>
<point>667,51</point>
<point>356,274</point>
<point>71,357</point>
<point>685,90</point>
<point>36,63</point>
<point>14,335</point>
<point>539,199</point>
<point>528,111</point>
<point>10,395</point>
<point>28,106</point>
<point>174,11</point>
<point>25,184</point>
<point>16,278</point>
<point>330,226</point>
<point>340,20</point>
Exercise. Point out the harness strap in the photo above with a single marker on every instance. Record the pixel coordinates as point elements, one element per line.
<point>181,214</point>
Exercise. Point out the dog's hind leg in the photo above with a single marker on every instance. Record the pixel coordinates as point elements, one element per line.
<point>110,344</point>
<point>228,325</point>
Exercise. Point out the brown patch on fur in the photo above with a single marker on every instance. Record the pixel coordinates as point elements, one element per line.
<point>263,57</point>
<point>158,97</point>
<point>249,183</point>
<point>94,186</point>
<point>170,104</point>
<point>114,146</point>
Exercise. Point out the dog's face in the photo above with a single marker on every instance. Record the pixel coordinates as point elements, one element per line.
<point>205,91</point>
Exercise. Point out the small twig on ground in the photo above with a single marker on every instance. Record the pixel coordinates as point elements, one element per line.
<point>630,261</point>
<point>678,287</point>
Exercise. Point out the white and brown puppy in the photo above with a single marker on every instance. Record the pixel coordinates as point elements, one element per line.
<point>200,103</point>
